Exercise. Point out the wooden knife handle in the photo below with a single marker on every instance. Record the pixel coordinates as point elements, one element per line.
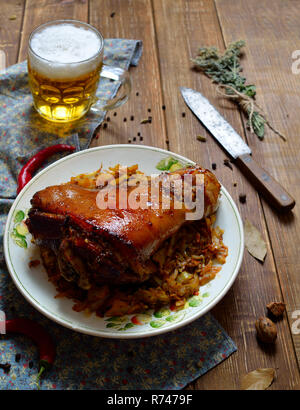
<point>265,184</point>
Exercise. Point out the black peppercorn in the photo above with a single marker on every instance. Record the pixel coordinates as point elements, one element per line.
<point>18,357</point>
<point>242,198</point>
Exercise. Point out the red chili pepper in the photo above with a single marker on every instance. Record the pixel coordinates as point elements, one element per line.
<point>38,335</point>
<point>37,160</point>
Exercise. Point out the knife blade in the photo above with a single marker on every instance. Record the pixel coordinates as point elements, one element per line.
<point>231,141</point>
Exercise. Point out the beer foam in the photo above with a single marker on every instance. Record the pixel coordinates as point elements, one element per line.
<point>66,47</point>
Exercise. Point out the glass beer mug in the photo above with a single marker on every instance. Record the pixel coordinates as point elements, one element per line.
<point>65,62</point>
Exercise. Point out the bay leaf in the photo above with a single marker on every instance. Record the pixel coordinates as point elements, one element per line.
<point>259,379</point>
<point>254,242</point>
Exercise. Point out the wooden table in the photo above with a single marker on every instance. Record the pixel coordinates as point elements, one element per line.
<point>172,31</point>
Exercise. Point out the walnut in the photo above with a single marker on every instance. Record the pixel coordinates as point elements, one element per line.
<point>266,330</point>
<point>276,308</point>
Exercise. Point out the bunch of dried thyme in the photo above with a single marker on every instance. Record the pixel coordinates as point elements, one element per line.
<point>225,70</point>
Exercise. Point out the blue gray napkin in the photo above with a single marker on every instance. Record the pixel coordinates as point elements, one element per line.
<point>168,361</point>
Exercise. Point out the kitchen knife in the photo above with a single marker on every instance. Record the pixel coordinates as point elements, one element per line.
<point>238,149</point>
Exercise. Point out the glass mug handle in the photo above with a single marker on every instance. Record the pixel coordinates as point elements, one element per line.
<point>116,74</point>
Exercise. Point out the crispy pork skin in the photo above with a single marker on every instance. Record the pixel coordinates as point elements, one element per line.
<point>112,246</point>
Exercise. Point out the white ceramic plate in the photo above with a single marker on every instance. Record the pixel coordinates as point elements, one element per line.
<point>33,283</point>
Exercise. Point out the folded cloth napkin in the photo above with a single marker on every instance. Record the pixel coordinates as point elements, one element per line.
<point>169,361</point>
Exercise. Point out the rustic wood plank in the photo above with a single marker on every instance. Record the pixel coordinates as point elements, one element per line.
<point>271,35</point>
<point>133,20</point>
<point>40,11</point>
<point>191,24</point>
<point>11,18</point>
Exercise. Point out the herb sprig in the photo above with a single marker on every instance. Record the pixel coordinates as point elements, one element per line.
<point>225,70</point>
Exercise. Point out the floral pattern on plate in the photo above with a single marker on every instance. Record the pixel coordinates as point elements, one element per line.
<point>20,230</point>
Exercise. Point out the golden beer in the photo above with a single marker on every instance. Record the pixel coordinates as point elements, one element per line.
<point>64,64</point>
